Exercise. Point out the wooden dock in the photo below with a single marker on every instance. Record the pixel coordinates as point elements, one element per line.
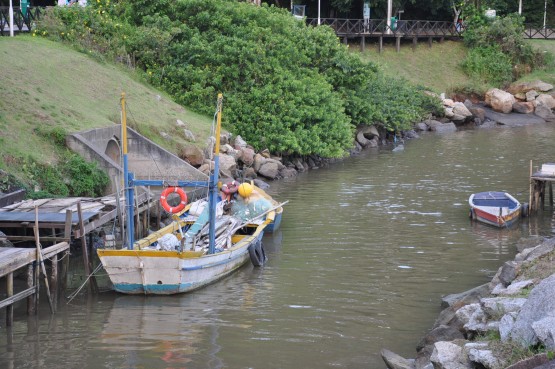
<point>541,182</point>
<point>13,259</point>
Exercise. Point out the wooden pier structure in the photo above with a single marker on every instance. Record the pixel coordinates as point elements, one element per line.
<point>541,182</point>
<point>13,259</point>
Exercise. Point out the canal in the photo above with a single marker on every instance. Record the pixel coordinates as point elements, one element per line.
<point>367,248</point>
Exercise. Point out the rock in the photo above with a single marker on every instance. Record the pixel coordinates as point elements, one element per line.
<point>539,305</point>
<point>444,128</point>
<point>539,361</point>
<point>165,136</point>
<point>500,100</point>
<point>507,273</point>
<point>441,333</point>
<point>180,124</point>
<point>544,112</point>
<point>205,168</point>
<point>541,250</point>
<point>545,331</point>
<point>261,184</point>
<point>410,134</point>
<point>225,148</point>
<point>228,165</point>
<point>432,123</point>
<point>239,143</point>
<point>523,107</point>
<point>269,169</point>
<point>299,165</point>
<point>473,317</point>
<point>247,156</point>
<point>497,306</point>
<point>265,153</point>
<point>193,155</point>
<point>506,325</point>
<point>527,86</point>
<point>449,318</point>
<point>478,112</point>
<point>513,289</point>
<point>189,136</point>
<point>461,110</point>
<point>478,352</point>
<point>394,361</point>
<point>363,141</point>
<point>468,297</point>
<point>546,100</point>
<point>249,173</point>
<point>422,127</point>
<point>531,95</point>
<point>287,173</point>
<point>258,161</point>
<point>448,355</point>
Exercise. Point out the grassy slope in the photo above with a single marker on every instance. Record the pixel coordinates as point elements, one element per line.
<point>47,85</point>
<point>437,68</point>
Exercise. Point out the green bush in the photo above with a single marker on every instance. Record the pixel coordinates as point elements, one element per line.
<point>498,51</point>
<point>489,65</point>
<point>288,87</point>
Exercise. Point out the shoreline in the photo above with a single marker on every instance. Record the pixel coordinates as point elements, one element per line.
<point>508,322</point>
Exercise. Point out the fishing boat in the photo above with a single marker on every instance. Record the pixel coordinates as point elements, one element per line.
<point>207,240</point>
<point>495,208</point>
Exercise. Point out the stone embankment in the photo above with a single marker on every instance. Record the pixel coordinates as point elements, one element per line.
<point>521,104</point>
<point>492,325</point>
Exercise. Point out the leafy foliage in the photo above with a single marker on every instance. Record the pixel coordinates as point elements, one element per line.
<point>73,176</point>
<point>288,87</point>
<point>489,65</point>
<point>498,51</point>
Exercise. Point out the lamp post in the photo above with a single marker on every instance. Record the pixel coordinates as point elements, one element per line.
<point>544,13</point>
<point>11,18</point>
<point>388,20</point>
<point>318,12</point>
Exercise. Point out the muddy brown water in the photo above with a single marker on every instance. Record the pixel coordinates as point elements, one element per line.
<point>366,250</point>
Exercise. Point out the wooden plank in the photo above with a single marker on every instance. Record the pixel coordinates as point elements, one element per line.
<point>55,249</point>
<point>17,297</point>
<point>17,261</point>
<point>67,228</point>
<point>95,223</point>
<point>30,284</point>
<point>84,247</point>
<point>31,238</point>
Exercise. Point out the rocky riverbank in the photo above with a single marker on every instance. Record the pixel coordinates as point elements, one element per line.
<point>521,104</point>
<point>506,323</point>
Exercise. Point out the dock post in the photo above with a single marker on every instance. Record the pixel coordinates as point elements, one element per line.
<point>91,286</point>
<point>54,281</point>
<point>63,272</point>
<point>362,43</point>
<point>550,194</point>
<point>31,300</point>
<point>380,45</point>
<point>430,41</point>
<point>9,293</point>
<point>531,181</point>
<point>414,42</point>
<point>398,43</point>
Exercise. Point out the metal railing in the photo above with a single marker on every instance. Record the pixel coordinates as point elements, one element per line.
<point>411,28</point>
<point>379,27</point>
<point>22,22</point>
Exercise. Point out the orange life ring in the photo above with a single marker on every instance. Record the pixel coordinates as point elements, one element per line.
<point>164,199</point>
<point>230,188</point>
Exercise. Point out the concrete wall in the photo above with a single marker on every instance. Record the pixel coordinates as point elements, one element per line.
<point>146,159</point>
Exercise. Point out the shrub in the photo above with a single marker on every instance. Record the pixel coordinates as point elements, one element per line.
<point>489,65</point>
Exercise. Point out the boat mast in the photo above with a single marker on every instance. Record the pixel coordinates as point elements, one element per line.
<point>127,177</point>
<point>213,199</point>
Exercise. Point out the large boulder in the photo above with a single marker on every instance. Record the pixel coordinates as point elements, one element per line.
<point>527,86</point>
<point>193,155</point>
<point>544,112</point>
<point>546,100</point>
<point>460,110</point>
<point>523,107</point>
<point>247,156</point>
<point>228,166</point>
<point>270,169</point>
<point>444,128</point>
<point>448,355</point>
<point>4,242</point>
<point>394,361</point>
<point>500,100</point>
<point>539,305</point>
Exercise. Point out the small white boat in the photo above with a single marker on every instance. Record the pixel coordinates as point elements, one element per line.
<point>200,246</point>
<point>495,208</point>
